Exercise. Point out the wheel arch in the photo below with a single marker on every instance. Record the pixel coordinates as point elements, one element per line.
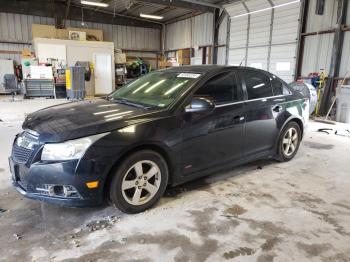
<point>147,146</point>
<point>291,119</point>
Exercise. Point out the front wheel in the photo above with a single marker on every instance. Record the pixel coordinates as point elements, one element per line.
<point>139,182</point>
<point>289,141</point>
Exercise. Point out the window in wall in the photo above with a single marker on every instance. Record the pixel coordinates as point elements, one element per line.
<point>258,84</point>
<point>320,7</point>
<point>222,88</point>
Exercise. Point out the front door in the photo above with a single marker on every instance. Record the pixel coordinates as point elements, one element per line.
<point>214,137</point>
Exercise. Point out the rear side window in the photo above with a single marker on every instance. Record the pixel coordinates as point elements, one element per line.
<point>258,84</point>
<point>222,88</point>
<point>279,87</point>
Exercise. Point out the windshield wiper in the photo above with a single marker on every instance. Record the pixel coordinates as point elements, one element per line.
<point>127,102</point>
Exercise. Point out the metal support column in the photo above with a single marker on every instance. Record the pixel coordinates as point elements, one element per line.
<point>216,35</point>
<point>228,33</point>
<point>301,38</point>
<point>336,56</point>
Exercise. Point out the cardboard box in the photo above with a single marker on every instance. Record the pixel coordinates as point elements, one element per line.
<point>184,53</point>
<point>49,31</point>
<point>120,58</point>
<point>164,64</point>
<point>184,56</point>
<point>184,61</point>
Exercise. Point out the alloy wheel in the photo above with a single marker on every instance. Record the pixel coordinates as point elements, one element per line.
<point>290,141</point>
<point>141,182</point>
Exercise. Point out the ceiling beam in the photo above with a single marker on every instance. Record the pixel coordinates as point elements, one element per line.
<point>164,10</point>
<point>188,4</point>
<point>132,8</point>
<point>43,7</point>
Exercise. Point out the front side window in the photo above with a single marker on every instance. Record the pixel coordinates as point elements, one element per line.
<point>157,89</point>
<point>222,88</point>
<point>258,84</point>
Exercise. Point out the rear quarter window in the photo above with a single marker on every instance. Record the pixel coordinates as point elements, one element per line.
<point>258,85</point>
<point>279,87</point>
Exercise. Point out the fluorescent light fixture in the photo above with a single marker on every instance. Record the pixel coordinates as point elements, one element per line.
<point>94,3</point>
<point>268,8</point>
<point>157,17</point>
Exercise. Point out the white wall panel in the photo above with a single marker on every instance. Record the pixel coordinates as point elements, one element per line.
<point>317,53</point>
<point>258,57</point>
<point>322,22</point>
<point>266,44</point>
<point>221,55</point>
<point>236,56</point>
<point>202,30</point>
<point>178,35</point>
<point>345,58</point>
<point>195,31</point>
<point>285,24</point>
<point>238,32</point>
<point>259,31</point>
<point>283,54</point>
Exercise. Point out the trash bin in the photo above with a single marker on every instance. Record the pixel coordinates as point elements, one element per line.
<point>75,83</point>
<point>343,104</point>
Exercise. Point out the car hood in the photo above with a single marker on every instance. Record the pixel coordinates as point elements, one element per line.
<point>78,119</point>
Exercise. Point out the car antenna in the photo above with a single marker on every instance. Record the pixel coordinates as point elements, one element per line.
<point>242,61</point>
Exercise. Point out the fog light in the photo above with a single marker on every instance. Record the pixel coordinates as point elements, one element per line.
<point>66,191</point>
<point>56,190</point>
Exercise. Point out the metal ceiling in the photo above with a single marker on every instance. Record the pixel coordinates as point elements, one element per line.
<point>169,9</point>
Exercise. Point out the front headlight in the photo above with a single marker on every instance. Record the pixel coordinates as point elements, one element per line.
<point>71,149</point>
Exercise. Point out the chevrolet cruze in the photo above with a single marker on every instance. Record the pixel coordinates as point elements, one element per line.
<point>165,128</point>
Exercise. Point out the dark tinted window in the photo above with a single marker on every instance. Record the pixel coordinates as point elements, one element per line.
<point>279,87</point>
<point>258,84</point>
<point>221,88</point>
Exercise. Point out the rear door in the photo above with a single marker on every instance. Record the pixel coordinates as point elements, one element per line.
<point>263,108</point>
<point>212,138</point>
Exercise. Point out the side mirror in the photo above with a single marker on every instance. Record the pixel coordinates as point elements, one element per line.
<point>200,104</point>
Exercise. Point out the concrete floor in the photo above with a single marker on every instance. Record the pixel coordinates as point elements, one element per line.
<point>263,211</point>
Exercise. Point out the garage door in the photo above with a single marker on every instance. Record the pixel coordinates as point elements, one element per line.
<point>264,35</point>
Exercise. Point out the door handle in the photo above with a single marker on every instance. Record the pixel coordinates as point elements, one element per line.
<point>238,119</point>
<point>277,108</point>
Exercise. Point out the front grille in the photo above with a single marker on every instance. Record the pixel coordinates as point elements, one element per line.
<point>24,147</point>
<point>21,154</point>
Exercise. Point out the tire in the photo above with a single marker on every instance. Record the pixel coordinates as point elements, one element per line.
<point>289,142</point>
<point>139,182</point>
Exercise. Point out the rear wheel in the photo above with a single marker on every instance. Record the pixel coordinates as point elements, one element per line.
<point>139,182</point>
<point>289,141</point>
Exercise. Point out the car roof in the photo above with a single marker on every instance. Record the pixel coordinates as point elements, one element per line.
<point>205,68</point>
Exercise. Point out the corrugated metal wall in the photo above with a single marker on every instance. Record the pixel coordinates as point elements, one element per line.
<point>345,61</point>
<point>191,32</point>
<point>264,39</point>
<point>18,28</point>
<point>318,48</point>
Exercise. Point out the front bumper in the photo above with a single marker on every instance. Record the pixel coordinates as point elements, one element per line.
<point>30,180</point>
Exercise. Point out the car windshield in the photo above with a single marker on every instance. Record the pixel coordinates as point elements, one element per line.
<point>157,89</point>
